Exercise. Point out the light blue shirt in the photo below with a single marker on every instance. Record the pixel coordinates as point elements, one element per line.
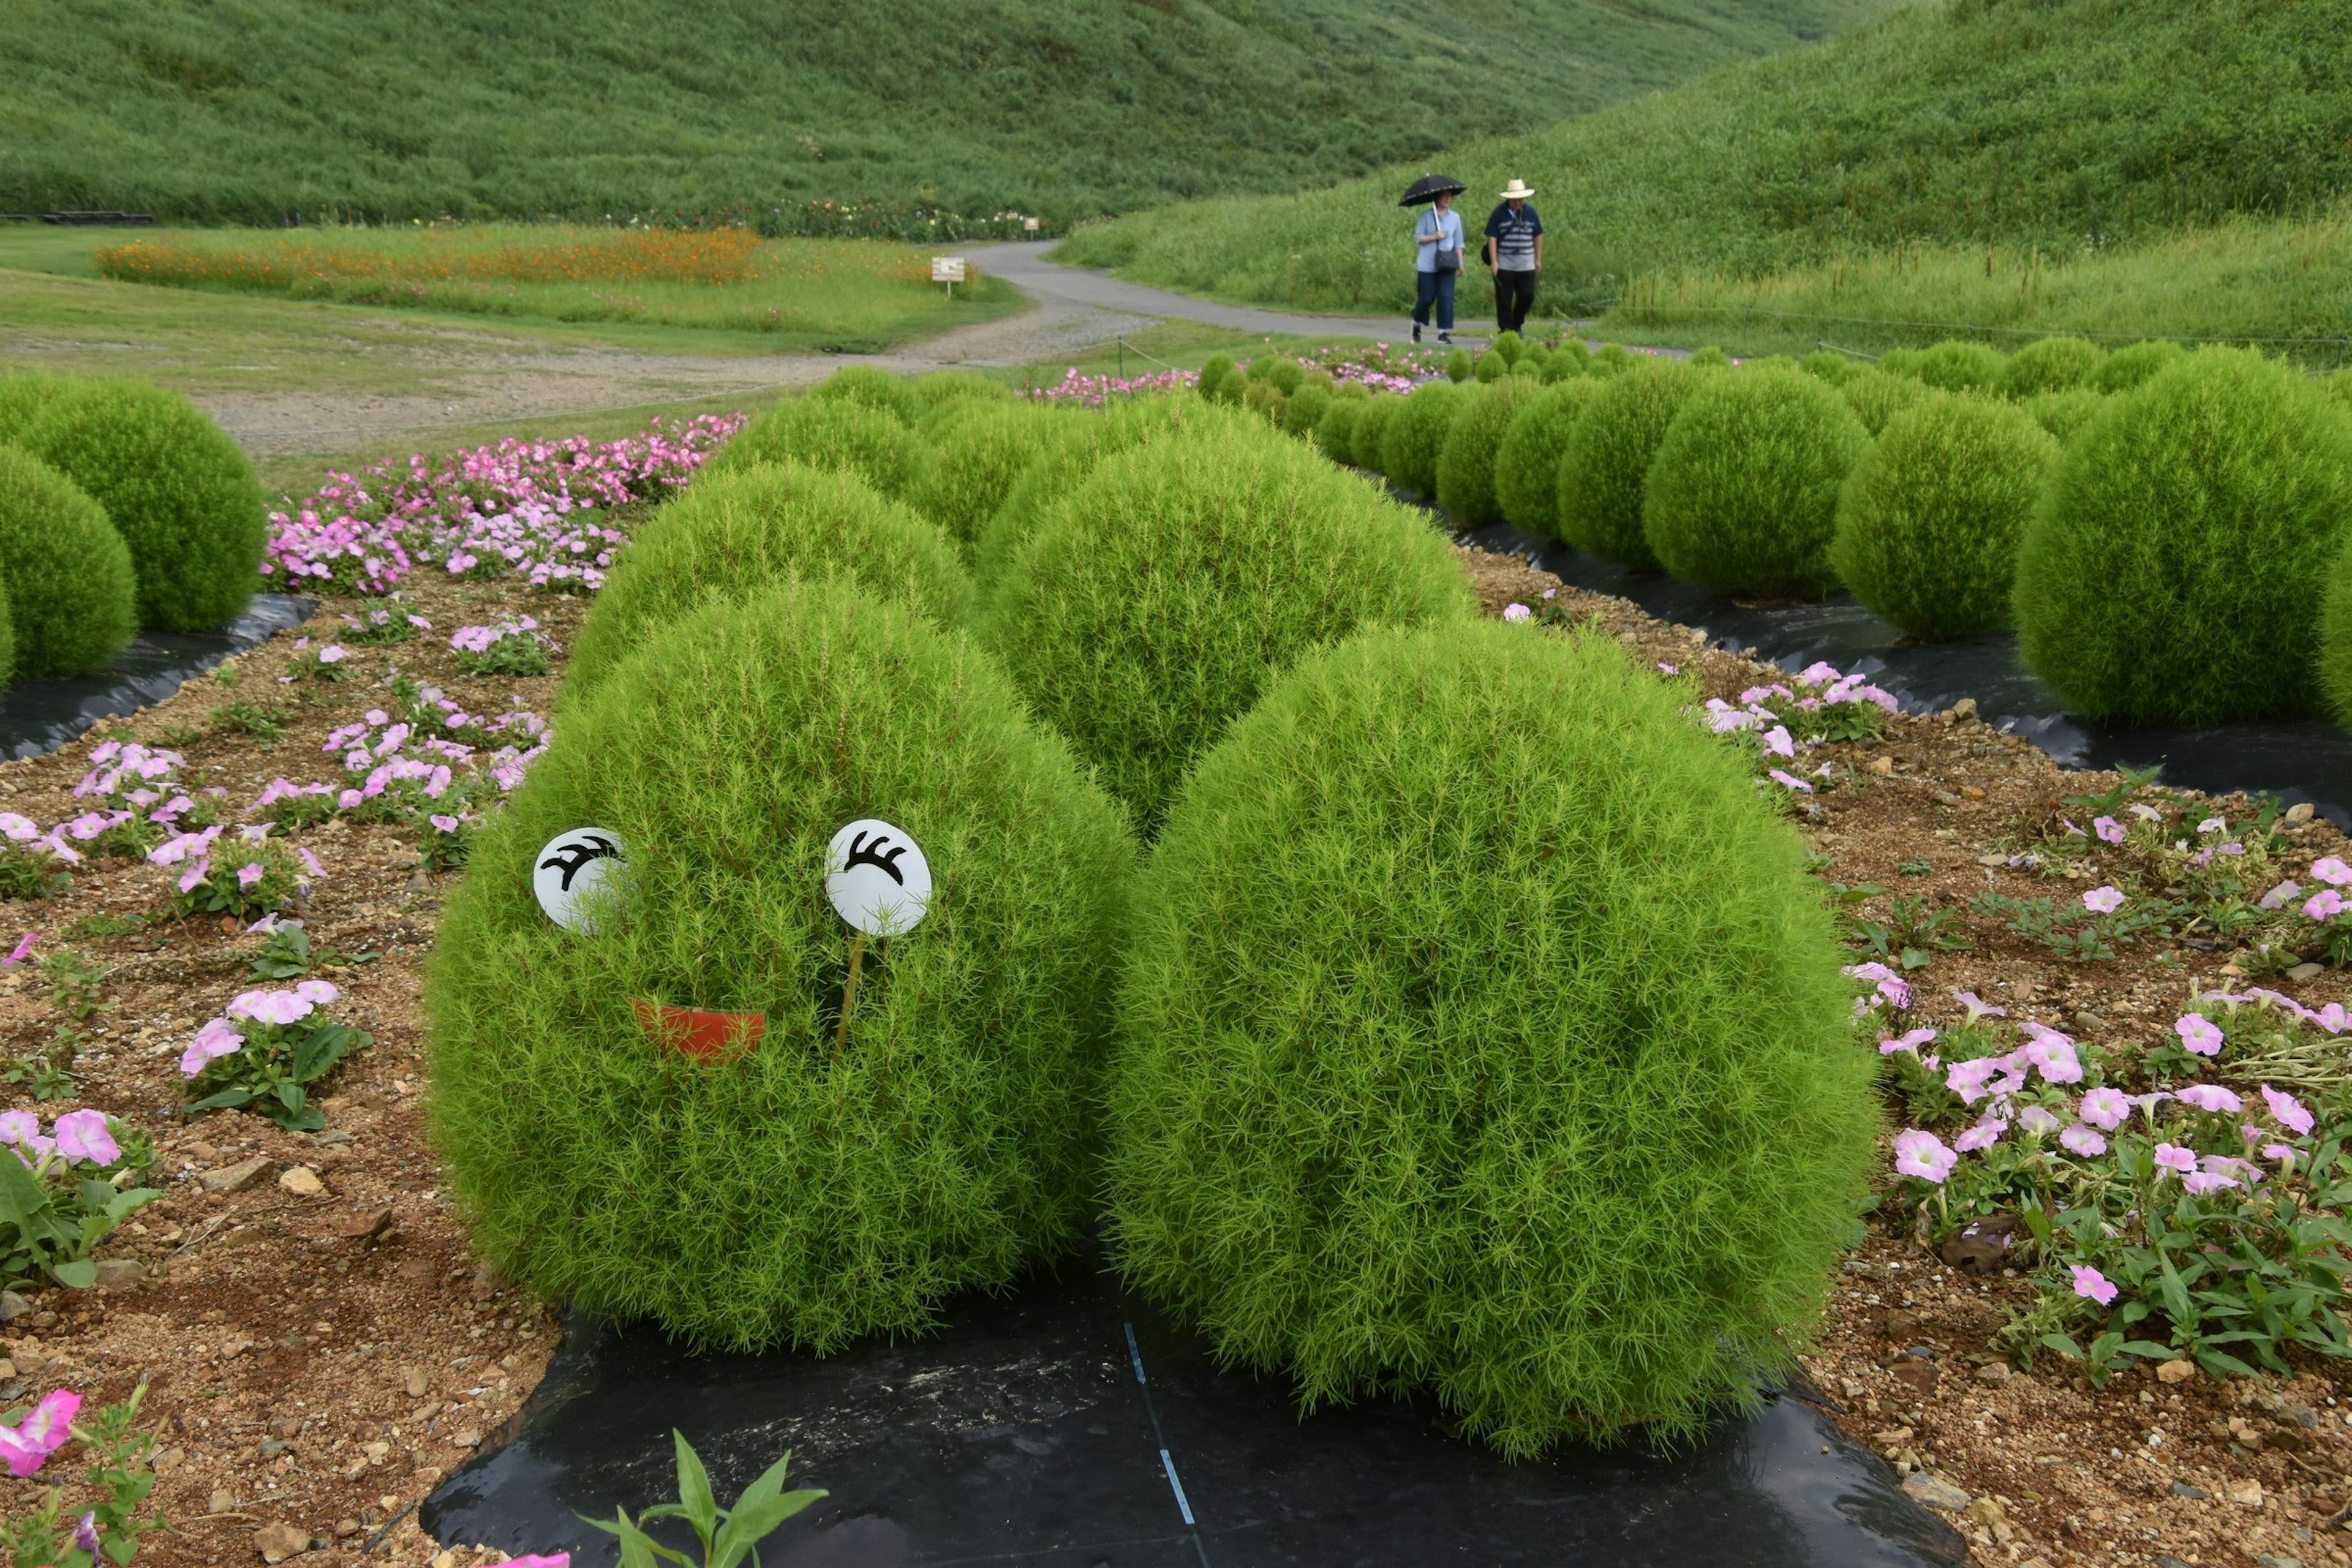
<point>1448,225</point>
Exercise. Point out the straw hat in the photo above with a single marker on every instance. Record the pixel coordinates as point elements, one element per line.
<point>1516,191</point>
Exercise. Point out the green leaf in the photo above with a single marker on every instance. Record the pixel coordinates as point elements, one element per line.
<point>328,1044</point>
<point>694,1490</point>
<point>2149,1349</point>
<point>751,1523</point>
<point>2063,1344</point>
<point>78,1275</point>
<point>770,1484</point>
<point>226,1100</point>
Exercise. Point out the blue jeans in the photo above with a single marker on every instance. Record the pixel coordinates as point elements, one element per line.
<point>1436,287</point>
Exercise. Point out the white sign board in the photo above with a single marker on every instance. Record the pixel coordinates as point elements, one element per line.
<point>876,877</point>
<point>946,268</point>
<point>571,870</point>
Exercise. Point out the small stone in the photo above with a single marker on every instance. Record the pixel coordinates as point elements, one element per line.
<point>276,1543</point>
<point>1994,860</point>
<point>347,1527</point>
<point>2298,813</point>
<point>302,1181</point>
<point>2245,1494</point>
<point>1919,1376</point>
<point>1882,765</point>
<point>2277,1559</point>
<point>1966,708</point>
<point>2088,1022</point>
<point>1892,1438</point>
<point>364,1226</point>
<point>235,1178</point>
<point>1993,1372</point>
<point>1901,1324</point>
<point>2306,972</point>
<point>334,1135</point>
<point>1970,792</point>
<point>13,1305</point>
<point>2179,1371</point>
<point>223,1501</point>
<point>273,1446</point>
<point>1921,1487</point>
<point>2194,1494</point>
<point>468,1438</point>
<point>120,1273</point>
<point>412,1383</point>
<point>2305,1416</point>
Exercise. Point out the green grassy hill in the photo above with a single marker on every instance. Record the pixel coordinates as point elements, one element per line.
<point>2064,126</point>
<point>257,111</point>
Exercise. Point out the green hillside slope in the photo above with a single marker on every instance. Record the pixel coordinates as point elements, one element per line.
<point>2062,124</point>
<point>253,110</point>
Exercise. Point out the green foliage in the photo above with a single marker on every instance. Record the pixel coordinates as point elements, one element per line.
<point>26,872</point>
<point>1266,399</point>
<point>1287,373</point>
<point>829,432</point>
<point>54,1211</point>
<point>1601,478</point>
<point>272,1071</point>
<point>1929,521</point>
<point>1158,602</point>
<point>1372,436</point>
<point>875,389</point>
<point>1415,437</point>
<point>2063,413</point>
<point>221,890</point>
<point>179,492</point>
<point>2335,640</point>
<point>1336,435</point>
<point>1509,347</point>
<point>1465,466</point>
<point>975,462</point>
<point>1956,365</point>
<point>119,1478</point>
<point>1742,497</point>
<point>940,390</point>
<point>1079,442</point>
<point>1457,366</point>
<point>1567,360</point>
<point>1480,1031</point>
<point>1711,358</point>
<point>1214,371</point>
<point>826,1182</point>
<point>1835,368</point>
<point>1877,395</point>
<point>2171,571</point>
<point>1491,367</point>
<point>728,1536</point>
<point>23,396</point>
<point>2050,365</point>
<point>2128,367</point>
<point>733,535</point>
<point>1302,415</point>
<point>1527,464</point>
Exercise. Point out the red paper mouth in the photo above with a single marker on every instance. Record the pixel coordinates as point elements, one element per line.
<point>703,1036</point>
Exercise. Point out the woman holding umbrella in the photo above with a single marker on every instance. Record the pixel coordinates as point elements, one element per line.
<point>1437,242</point>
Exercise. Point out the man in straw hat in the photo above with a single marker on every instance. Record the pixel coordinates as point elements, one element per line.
<point>1515,252</point>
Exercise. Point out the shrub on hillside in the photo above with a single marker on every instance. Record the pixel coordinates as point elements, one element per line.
<point>976,461</point>
<point>946,388</point>
<point>1466,466</point>
<point>1491,367</point>
<point>1958,365</point>
<point>1481,1033</point>
<point>876,389</point>
<point>1710,358</point>
<point>1284,372</point>
<point>1598,501</point>
<point>1901,361</point>
<point>1371,433</point>
<point>1266,400</point>
<point>1415,436</point>
<point>178,491</point>
<point>1877,395</point>
<point>2172,571</point>
<point>829,432</point>
<point>1742,497</point>
<point>1214,371</point>
<point>1336,435</point>
<point>2063,413</point>
<point>1302,415</point>
<point>822,1185</point>
<point>1509,347</point>
<point>1928,523</point>
<point>1614,359</point>
<point>2335,635</point>
<point>72,596</point>
<point>733,535</point>
<point>2050,365</point>
<point>1527,468</point>
<point>2128,367</point>
<point>1154,605</point>
<point>1078,443</point>
<point>1569,359</point>
<point>1832,366</point>
<point>23,394</point>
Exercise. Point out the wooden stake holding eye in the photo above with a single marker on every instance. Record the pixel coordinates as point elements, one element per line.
<point>880,883</point>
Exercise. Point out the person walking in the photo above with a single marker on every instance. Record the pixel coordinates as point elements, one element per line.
<point>1437,239</point>
<point>1514,255</point>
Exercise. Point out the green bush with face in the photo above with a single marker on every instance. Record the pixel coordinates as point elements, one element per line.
<point>823,1184</point>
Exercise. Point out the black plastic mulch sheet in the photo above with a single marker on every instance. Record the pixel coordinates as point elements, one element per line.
<point>1070,1426</point>
<point>39,716</point>
<point>2309,760</point>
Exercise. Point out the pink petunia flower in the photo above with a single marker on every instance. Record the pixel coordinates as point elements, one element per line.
<point>2209,1097</point>
<point>2288,1111</point>
<point>218,1037</point>
<point>1910,1042</point>
<point>1923,1155</point>
<point>2036,1120</point>
<point>2093,1285</point>
<point>317,992</point>
<point>249,873</point>
<point>2199,1184</point>
<point>83,1135</point>
<point>1777,740</point>
<point>2107,1108</point>
<point>2173,1157</point>
<point>1977,1007</point>
<point>22,1127</point>
<point>2199,1034</point>
<point>2103,901</point>
<point>2080,1140</point>
<point>2108,829</point>
<point>1983,1135</point>
<point>1517,613</point>
<point>270,1006</point>
<point>2332,872</point>
<point>2324,905</point>
<point>1790,780</point>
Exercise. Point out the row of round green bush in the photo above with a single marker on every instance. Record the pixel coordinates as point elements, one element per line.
<point>121,507</point>
<point>1432,1002</point>
<point>2161,528</point>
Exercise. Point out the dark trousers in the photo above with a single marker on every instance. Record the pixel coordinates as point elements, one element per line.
<point>1435,287</point>
<point>1515,296</point>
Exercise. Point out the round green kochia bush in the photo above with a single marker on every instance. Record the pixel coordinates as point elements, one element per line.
<point>1458,368</point>
<point>1614,359</point>
<point>23,396</point>
<point>1336,434</point>
<point>1080,441</point>
<point>1600,480</point>
<point>829,432</point>
<point>2336,637</point>
<point>945,388</point>
<point>1479,1031</point>
<point>1466,466</point>
<point>1266,400</point>
<point>1929,519</point>
<point>1832,366</point>
<point>1158,600</point>
<point>1527,468</point>
<point>1901,362</point>
<point>179,493</point>
<point>1491,367</point>
<point>72,593</point>
<point>1214,371</point>
<point>875,389</point>
<point>1509,347</point>
<point>1877,395</point>
<point>2173,569</point>
<point>975,462</point>
<point>1415,437</point>
<point>1284,372</point>
<point>817,1188</point>
<point>1958,365</point>
<point>1743,495</point>
<point>2128,367</point>
<point>1711,358</point>
<point>1304,411</point>
<point>1568,360</point>
<point>731,535</point>
<point>2063,413</point>
<point>1371,433</point>
<point>2050,365</point>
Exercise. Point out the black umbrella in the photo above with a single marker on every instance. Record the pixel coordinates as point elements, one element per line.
<point>1429,187</point>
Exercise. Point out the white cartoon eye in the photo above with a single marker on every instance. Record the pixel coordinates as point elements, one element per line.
<point>876,877</point>
<point>571,870</point>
